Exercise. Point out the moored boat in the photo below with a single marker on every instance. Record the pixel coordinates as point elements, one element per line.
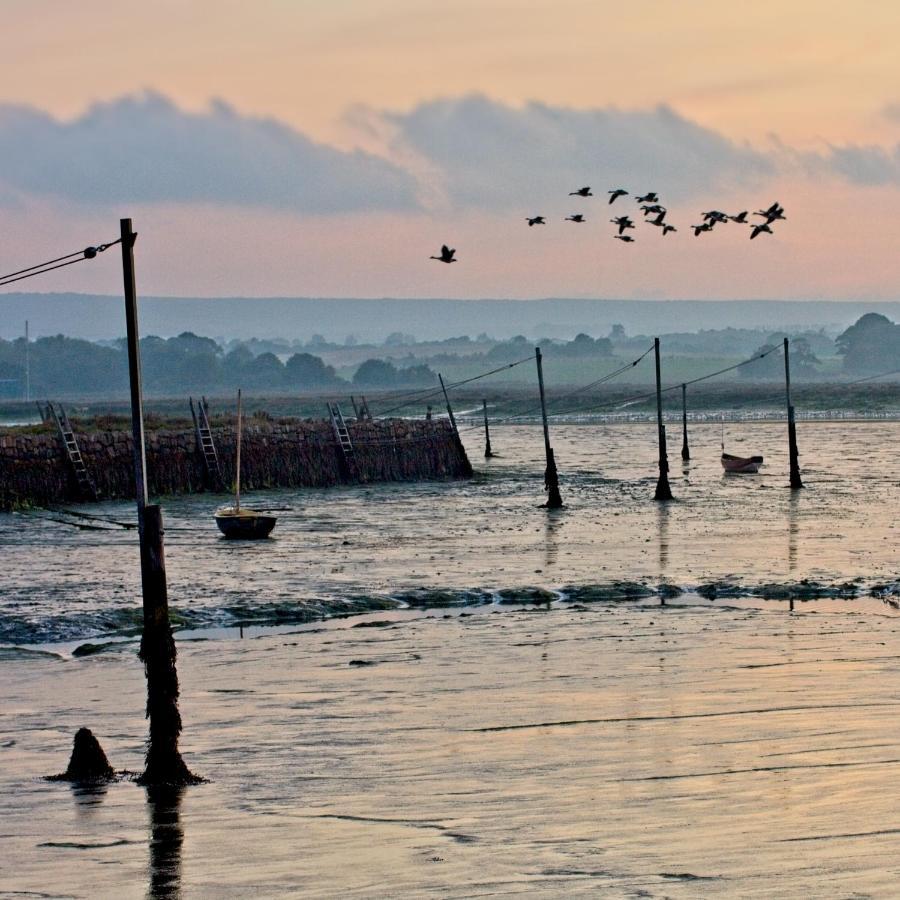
<point>741,465</point>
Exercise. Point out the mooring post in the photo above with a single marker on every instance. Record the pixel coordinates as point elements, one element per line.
<point>428,413</point>
<point>551,476</point>
<point>164,764</point>
<point>488,453</point>
<point>459,444</point>
<point>685,450</point>
<point>793,453</point>
<point>355,407</point>
<point>663,491</point>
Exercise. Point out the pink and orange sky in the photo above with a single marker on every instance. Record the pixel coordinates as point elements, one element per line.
<point>300,148</point>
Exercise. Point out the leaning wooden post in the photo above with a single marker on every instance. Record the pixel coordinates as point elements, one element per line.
<point>551,476</point>
<point>685,450</point>
<point>164,764</point>
<point>467,466</point>
<point>488,453</point>
<point>793,453</point>
<point>663,491</point>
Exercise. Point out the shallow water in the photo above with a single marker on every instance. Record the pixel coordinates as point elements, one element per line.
<point>70,578</point>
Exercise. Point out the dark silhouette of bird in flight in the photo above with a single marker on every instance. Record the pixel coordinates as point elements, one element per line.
<point>535,220</point>
<point>698,229</point>
<point>577,217</point>
<point>660,219</point>
<point>623,222</point>
<point>740,218</point>
<point>775,211</point>
<point>655,209</point>
<point>446,255</point>
<point>652,197</point>
<point>614,195</point>
<point>624,237</point>
<point>581,192</point>
<point>760,229</point>
<point>715,216</point>
<point>668,228</point>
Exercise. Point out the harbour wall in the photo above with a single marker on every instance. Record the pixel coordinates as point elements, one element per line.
<point>35,469</point>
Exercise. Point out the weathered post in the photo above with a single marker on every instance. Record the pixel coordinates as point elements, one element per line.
<point>685,450</point>
<point>164,764</point>
<point>467,466</point>
<point>488,453</point>
<point>428,413</point>
<point>793,453</point>
<point>551,476</point>
<point>355,407</point>
<point>27,365</point>
<point>663,491</point>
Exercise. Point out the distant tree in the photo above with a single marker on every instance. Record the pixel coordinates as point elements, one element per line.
<point>317,340</point>
<point>871,344</point>
<point>414,376</point>
<point>771,366</point>
<point>399,339</point>
<point>265,371</point>
<point>617,333</point>
<point>306,370</point>
<point>375,373</point>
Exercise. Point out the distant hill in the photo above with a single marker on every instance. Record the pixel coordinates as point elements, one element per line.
<point>101,317</point>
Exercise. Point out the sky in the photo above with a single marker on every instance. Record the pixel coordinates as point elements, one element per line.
<point>312,148</point>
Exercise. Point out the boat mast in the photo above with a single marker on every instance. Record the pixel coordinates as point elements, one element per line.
<point>237,480</point>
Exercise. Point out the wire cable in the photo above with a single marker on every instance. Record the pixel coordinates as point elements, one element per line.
<point>59,263</point>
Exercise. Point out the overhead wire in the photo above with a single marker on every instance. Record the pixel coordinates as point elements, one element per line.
<point>60,262</point>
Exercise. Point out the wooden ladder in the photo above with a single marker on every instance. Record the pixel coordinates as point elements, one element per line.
<point>86,486</point>
<point>205,441</point>
<point>342,435</point>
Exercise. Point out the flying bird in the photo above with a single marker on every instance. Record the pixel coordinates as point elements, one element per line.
<point>706,226</point>
<point>659,220</point>
<point>623,222</point>
<point>760,229</point>
<point>668,228</point>
<point>715,216</point>
<point>740,218</point>
<point>536,220</point>
<point>446,255</point>
<point>614,195</point>
<point>648,198</point>
<point>655,209</point>
<point>581,192</point>
<point>775,211</point>
<point>624,237</point>
<point>577,217</point>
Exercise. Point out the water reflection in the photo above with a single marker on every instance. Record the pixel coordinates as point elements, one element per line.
<point>793,530</point>
<point>88,795</point>
<point>552,526</point>
<point>662,512</point>
<point>166,839</point>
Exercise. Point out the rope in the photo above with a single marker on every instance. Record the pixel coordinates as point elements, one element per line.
<point>58,263</point>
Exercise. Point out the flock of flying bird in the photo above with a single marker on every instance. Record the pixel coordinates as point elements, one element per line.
<point>654,214</point>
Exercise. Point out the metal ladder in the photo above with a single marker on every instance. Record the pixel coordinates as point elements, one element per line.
<point>205,440</point>
<point>86,486</point>
<point>342,435</point>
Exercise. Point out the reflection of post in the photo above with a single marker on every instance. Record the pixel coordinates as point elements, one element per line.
<point>166,839</point>
<point>551,476</point>
<point>793,532</point>
<point>488,453</point>
<point>663,491</point>
<point>164,763</point>
<point>685,450</point>
<point>663,540</point>
<point>793,453</point>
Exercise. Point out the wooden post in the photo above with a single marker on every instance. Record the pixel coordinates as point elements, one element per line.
<point>551,476</point>
<point>164,764</point>
<point>663,491</point>
<point>237,458</point>
<point>355,407</point>
<point>793,453</point>
<point>685,450</point>
<point>467,466</point>
<point>27,365</point>
<point>488,453</point>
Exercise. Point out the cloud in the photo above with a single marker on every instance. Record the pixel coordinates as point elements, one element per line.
<point>145,149</point>
<point>493,155</point>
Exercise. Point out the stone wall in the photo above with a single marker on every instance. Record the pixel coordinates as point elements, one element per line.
<point>34,469</point>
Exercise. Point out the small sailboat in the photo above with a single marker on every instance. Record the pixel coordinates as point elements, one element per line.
<point>235,521</point>
<point>739,465</point>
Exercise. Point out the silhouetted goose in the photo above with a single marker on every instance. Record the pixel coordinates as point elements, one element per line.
<point>581,192</point>
<point>715,216</point>
<point>652,197</point>
<point>623,222</point>
<point>654,210</point>
<point>624,237</point>
<point>740,218</point>
<point>775,211</point>
<point>614,195</point>
<point>446,255</point>
<point>660,220</point>
<point>577,217</point>
<point>699,229</point>
<point>760,229</point>
<point>668,228</point>
<point>536,220</point>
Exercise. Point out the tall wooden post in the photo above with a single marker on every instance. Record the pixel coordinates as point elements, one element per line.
<point>27,365</point>
<point>663,491</point>
<point>488,453</point>
<point>164,764</point>
<point>551,476</point>
<point>459,444</point>
<point>685,450</point>
<point>793,453</point>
